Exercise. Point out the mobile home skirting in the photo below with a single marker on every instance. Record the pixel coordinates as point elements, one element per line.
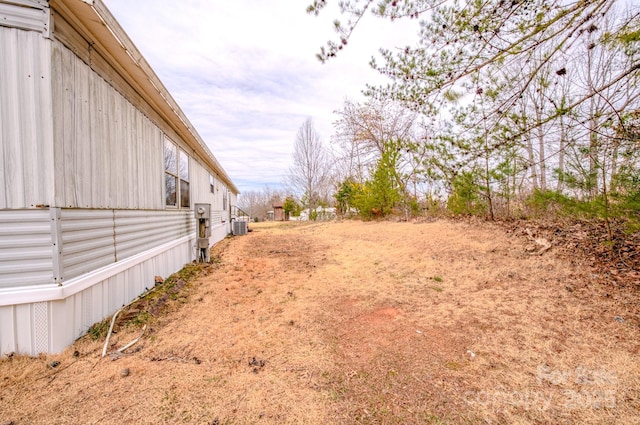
<point>57,315</point>
<point>42,316</point>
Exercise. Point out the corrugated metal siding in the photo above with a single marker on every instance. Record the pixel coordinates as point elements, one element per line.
<point>233,199</point>
<point>200,187</point>
<point>90,239</point>
<point>95,238</point>
<point>201,191</point>
<point>26,254</point>
<point>51,326</point>
<point>26,127</point>
<point>137,231</point>
<point>216,217</point>
<point>26,15</point>
<point>108,154</point>
<point>28,3</point>
<point>87,241</point>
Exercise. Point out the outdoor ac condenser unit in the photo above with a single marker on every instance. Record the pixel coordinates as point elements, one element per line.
<point>239,228</point>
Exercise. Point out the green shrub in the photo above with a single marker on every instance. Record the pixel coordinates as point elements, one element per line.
<point>548,203</point>
<point>466,198</point>
<point>380,195</point>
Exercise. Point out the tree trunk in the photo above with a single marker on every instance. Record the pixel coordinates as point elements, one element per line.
<point>529,147</point>
<point>592,178</point>
<point>561,147</point>
<point>541,155</point>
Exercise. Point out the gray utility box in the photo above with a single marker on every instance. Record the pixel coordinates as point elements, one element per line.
<point>239,228</point>
<point>202,214</point>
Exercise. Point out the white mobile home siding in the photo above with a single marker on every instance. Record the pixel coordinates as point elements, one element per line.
<point>83,223</point>
<point>92,238</point>
<point>26,254</point>
<point>26,121</point>
<point>108,154</point>
<point>30,15</point>
<point>201,190</point>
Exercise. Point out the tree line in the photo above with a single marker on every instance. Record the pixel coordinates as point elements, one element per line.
<point>501,109</point>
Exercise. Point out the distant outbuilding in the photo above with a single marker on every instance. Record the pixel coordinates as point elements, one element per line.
<point>279,213</point>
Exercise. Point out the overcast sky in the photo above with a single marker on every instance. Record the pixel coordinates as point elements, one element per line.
<point>245,72</point>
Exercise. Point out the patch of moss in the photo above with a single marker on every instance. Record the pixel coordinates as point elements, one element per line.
<point>99,330</point>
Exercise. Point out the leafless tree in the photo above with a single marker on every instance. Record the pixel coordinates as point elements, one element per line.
<point>309,174</point>
<point>364,131</point>
<point>257,203</point>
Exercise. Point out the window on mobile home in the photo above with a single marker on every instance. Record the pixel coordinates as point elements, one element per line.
<point>176,176</point>
<point>224,197</point>
<point>184,180</point>
<point>171,174</point>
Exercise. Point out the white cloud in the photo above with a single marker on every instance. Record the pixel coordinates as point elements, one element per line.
<point>245,73</point>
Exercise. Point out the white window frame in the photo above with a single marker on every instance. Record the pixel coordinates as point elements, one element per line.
<point>176,168</point>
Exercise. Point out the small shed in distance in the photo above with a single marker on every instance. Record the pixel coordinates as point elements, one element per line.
<point>278,212</point>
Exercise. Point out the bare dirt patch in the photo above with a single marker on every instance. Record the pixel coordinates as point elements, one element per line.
<point>436,323</point>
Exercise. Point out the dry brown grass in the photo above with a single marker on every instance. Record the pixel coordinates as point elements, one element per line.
<point>368,323</point>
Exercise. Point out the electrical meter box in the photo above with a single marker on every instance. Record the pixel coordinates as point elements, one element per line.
<point>202,214</point>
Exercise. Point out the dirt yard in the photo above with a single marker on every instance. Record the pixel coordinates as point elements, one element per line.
<point>356,323</point>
